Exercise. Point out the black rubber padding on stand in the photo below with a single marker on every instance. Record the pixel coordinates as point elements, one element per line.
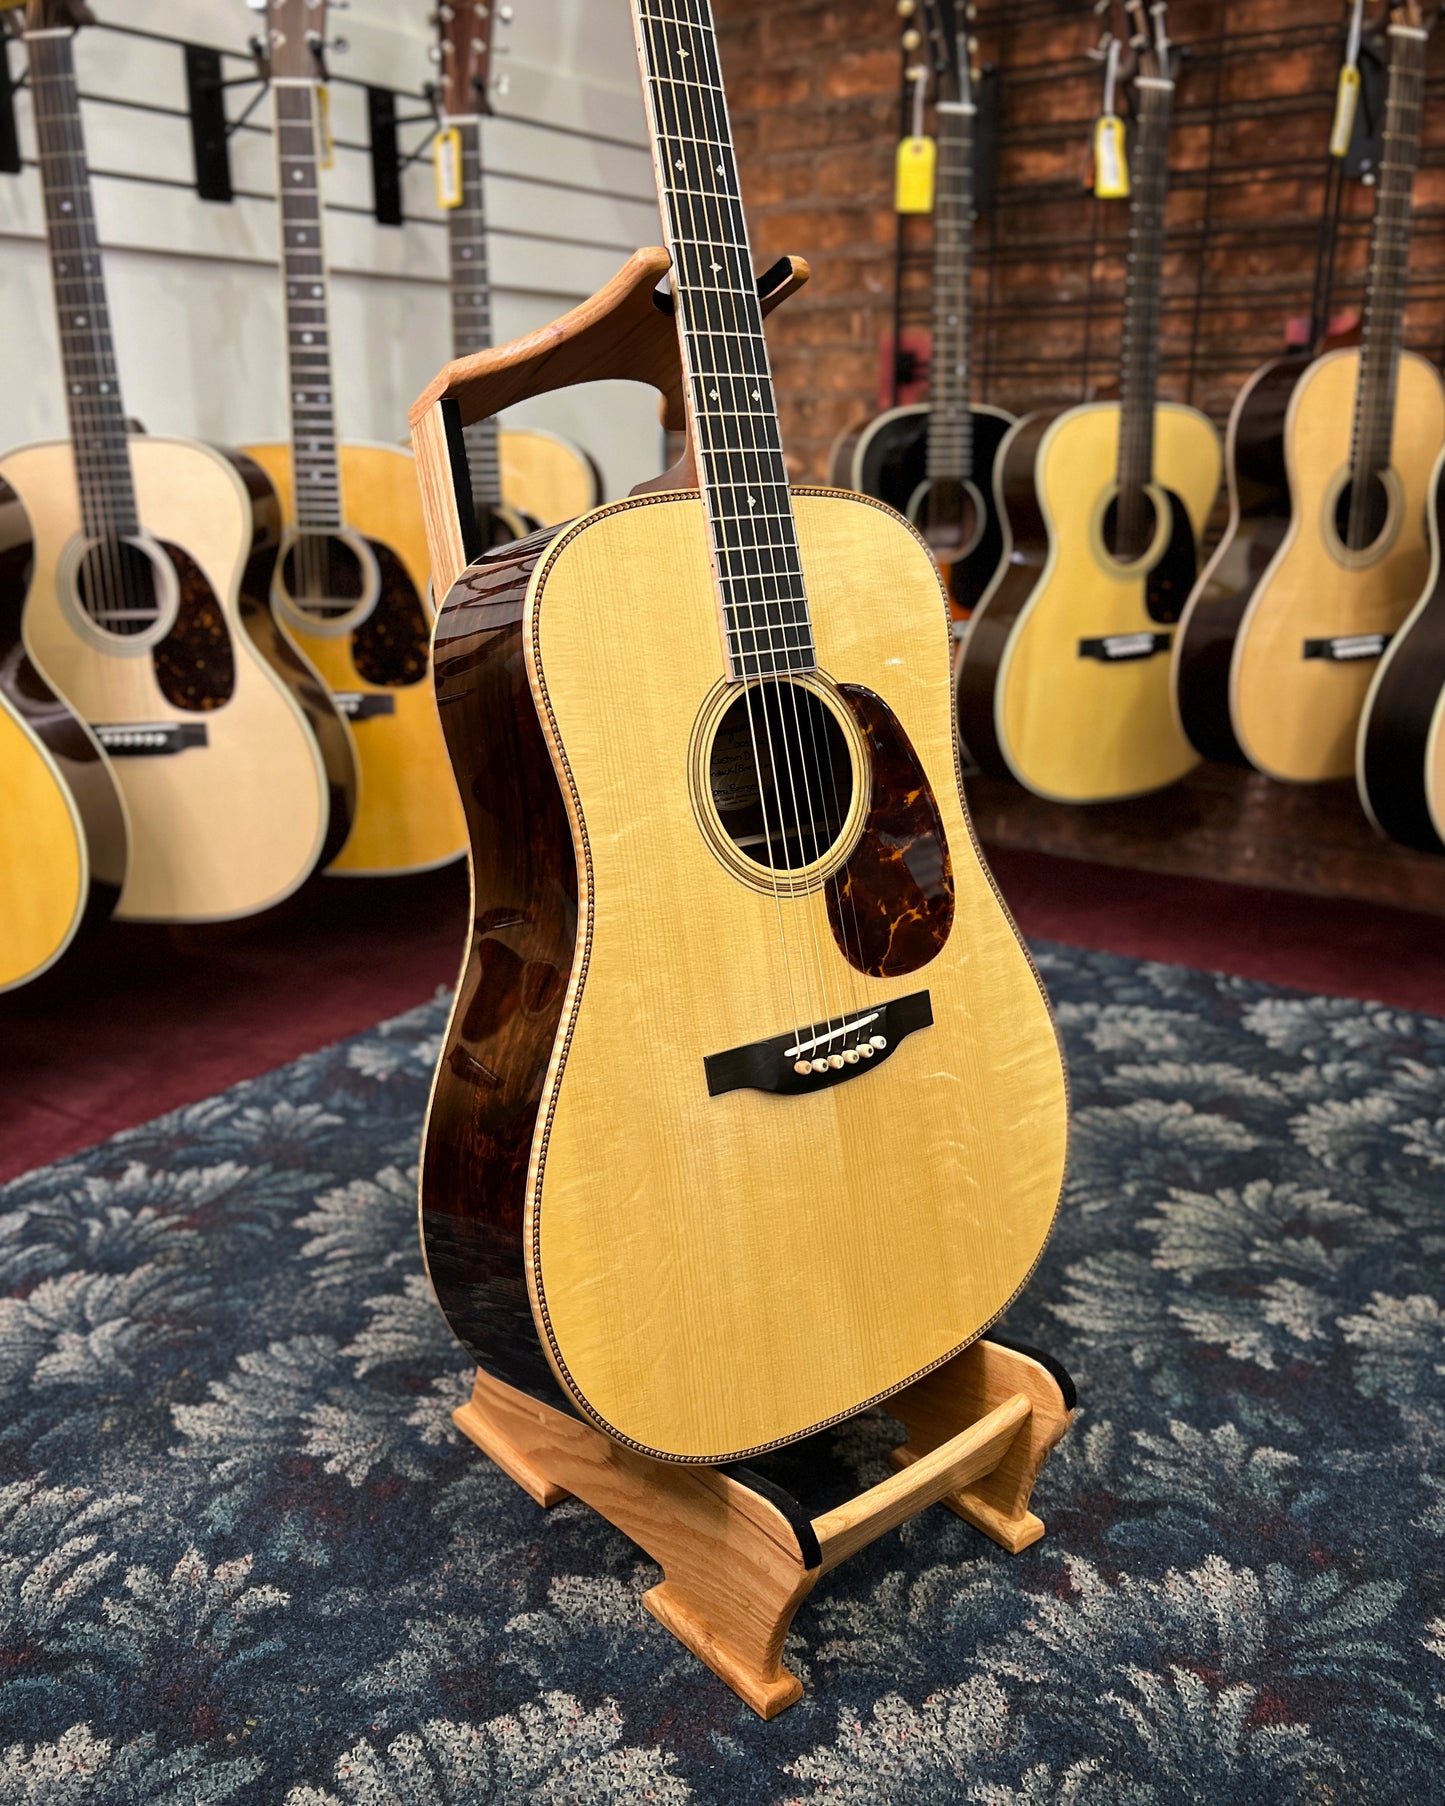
<point>799,1522</point>
<point>1056,1368</point>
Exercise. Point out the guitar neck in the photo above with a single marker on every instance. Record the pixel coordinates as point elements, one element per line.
<point>92,387</point>
<point>1389,261</point>
<point>315,471</point>
<point>472,300</point>
<point>731,407</point>
<point>950,418</point>
<point>1139,359</point>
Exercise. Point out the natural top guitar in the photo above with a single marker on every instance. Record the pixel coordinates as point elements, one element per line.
<point>751,1108</point>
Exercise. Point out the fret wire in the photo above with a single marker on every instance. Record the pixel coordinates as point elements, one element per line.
<point>707,236</point>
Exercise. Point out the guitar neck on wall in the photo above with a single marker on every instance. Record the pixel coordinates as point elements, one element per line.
<point>934,462</point>
<point>520,477</point>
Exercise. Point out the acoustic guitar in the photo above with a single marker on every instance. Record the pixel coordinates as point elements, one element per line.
<point>1064,678</point>
<point>521,476</point>
<point>1362,431</point>
<point>934,461</point>
<point>349,591</point>
<point>751,1108</point>
<point>62,823</point>
<point>141,549</point>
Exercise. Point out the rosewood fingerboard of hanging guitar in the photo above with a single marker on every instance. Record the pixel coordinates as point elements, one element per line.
<point>133,614</point>
<point>350,585</point>
<point>521,477</point>
<point>750,1108</point>
<point>1362,433</point>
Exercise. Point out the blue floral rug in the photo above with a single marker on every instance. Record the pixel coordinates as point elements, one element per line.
<point>244,1557</point>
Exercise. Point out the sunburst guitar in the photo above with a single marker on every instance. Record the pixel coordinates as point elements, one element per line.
<point>62,822</point>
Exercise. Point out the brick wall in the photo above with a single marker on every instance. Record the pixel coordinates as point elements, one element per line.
<point>814,92</point>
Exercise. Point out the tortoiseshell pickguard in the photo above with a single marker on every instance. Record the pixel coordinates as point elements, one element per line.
<point>392,644</point>
<point>892,907</point>
<point>195,664</point>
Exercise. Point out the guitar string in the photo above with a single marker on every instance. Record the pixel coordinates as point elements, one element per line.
<point>710,93</point>
<point>715,108</point>
<point>102,468</point>
<point>1389,264</point>
<point>654,40</point>
<point>650,61</point>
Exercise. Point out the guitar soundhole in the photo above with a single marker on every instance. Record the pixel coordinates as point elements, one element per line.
<point>323,575</point>
<point>781,775</point>
<point>1130,523</point>
<point>119,587</point>
<point>951,519</point>
<point>1359,534</point>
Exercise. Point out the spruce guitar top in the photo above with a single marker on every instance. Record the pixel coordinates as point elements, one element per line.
<point>62,822</point>
<point>934,461</point>
<point>1361,434</point>
<point>521,476</point>
<point>144,551</point>
<point>1064,678</point>
<point>349,593</point>
<point>751,1108</point>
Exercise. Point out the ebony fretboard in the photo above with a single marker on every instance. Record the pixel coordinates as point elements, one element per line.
<point>1389,274</point>
<point>730,398</point>
<point>1139,360</point>
<point>308,337</point>
<point>472,302</point>
<point>92,388</point>
<point>950,411</point>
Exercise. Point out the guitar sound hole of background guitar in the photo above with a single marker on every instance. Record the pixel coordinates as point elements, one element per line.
<point>119,588</point>
<point>323,575</point>
<point>784,734</point>
<point>1129,532</point>
<point>1376,512</point>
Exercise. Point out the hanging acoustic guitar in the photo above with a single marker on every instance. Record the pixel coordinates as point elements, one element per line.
<point>143,548</point>
<point>350,584</point>
<point>751,1108</point>
<point>521,476</point>
<point>1064,678</point>
<point>933,461</point>
<point>62,823</point>
<point>1361,435</point>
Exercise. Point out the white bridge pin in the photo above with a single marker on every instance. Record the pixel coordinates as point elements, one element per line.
<point>802,1068</point>
<point>850,1054</point>
<point>820,1065</point>
<point>865,1052</point>
<point>836,1062</point>
<point>880,1042</point>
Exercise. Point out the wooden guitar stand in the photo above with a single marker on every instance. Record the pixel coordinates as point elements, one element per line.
<point>739,1554</point>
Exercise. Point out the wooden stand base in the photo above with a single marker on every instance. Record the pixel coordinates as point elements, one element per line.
<point>738,1554</point>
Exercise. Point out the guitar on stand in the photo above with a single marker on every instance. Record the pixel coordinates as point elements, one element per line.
<point>1064,678</point>
<point>62,822</point>
<point>653,1203</point>
<point>142,550</point>
<point>1361,435</point>
<point>350,584</point>
<point>934,461</point>
<point>521,476</point>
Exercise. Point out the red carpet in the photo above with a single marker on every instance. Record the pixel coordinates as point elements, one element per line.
<point>141,1020</point>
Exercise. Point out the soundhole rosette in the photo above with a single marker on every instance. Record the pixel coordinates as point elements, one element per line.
<point>1106,531</point>
<point>327,580</point>
<point>1385,514</point>
<point>951,514</point>
<point>801,737</point>
<point>118,591</point>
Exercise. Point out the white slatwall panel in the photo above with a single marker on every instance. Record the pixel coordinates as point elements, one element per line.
<point>193,286</point>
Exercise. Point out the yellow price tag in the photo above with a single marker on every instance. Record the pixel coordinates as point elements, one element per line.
<point>913,183</point>
<point>1347,98</point>
<point>1111,161</point>
<point>447,161</point>
<point>327,154</point>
